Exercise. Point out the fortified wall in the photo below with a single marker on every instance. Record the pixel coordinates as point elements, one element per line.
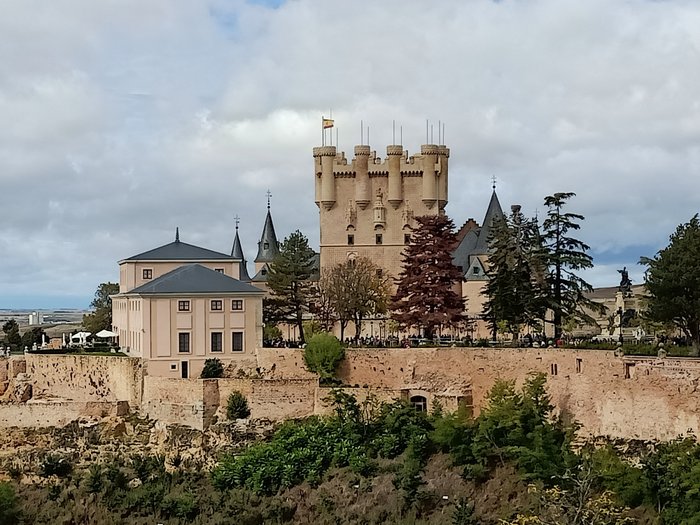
<point>621,397</point>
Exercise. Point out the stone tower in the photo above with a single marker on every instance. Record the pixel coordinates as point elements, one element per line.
<point>367,205</point>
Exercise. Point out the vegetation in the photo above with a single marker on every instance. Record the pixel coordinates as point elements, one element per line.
<point>9,505</point>
<point>322,355</point>
<point>564,256</point>
<point>12,337</point>
<point>213,368</point>
<point>101,318</point>
<point>673,282</point>
<point>515,288</point>
<point>237,406</point>
<point>289,281</point>
<point>425,296</point>
<point>352,291</point>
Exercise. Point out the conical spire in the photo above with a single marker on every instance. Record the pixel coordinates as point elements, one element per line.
<point>177,234</point>
<point>493,212</point>
<point>268,246</point>
<point>237,253</point>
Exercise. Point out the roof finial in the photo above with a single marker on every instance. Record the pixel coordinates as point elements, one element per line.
<point>237,219</point>
<point>269,194</point>
<point>493,182</point>
<point>177,234</point>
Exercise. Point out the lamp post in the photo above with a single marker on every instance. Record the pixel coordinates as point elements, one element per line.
<point>371,327</point>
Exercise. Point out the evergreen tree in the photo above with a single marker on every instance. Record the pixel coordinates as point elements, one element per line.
<point>514,288</point>
<point>289,279</point>
<point>673,282</point>
<point>425,295</point>
<point>564,256</point>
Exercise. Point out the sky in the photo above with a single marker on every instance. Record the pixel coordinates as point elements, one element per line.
<point>124,119</point>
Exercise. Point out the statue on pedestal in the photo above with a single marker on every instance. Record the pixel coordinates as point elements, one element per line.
<point>625,281</point>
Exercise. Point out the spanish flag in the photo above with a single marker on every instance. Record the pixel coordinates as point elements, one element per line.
<point>327,123</point>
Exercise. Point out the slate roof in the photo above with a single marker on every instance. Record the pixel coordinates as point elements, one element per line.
<point>178,251</point>
<point>268,247</point>
<point>475,240</point>
<point>493,212</point>
<point>192,279</point>
<point>237,253</point>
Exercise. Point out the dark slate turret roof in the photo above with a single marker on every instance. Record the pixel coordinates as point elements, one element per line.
<point>493,212</point>
<point>237,253</point>
<point>193,279</point>
<point>268,247</point>
<point>178,251</point>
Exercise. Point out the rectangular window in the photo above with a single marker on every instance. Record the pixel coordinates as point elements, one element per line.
<point>147,273</point>
<point>173,366</point>
<point>554,369</point>
<point>219,270</point>
<point>579,362</point>
<point>183,342</point>
<point>237,305</point>
<point>237,342</point>
<point>475,270</point>
<point>183,306</point>
<point>378,238</point>
<point>217,305</point>
<point>351,239</point>
<point>407,238</point>
<point>217,342</point>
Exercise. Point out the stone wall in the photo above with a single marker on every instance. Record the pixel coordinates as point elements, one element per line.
<point>637,398</point>
<point>86,378</point>
<point>45,413</point>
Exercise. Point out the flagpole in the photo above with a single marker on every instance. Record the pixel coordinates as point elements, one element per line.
<point>323,133</point>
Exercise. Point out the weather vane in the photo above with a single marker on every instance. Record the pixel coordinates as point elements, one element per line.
<point>493,181</point>
<point>237,219</point>
<point>269,194</point>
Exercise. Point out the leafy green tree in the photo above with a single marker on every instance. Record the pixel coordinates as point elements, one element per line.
<point>425,295</point>
<point>12,336</point>
<point>673,282</point>
<point>564,256</point>
<point>101,317</point>
<point>213,368</point>
<point>322,355</point>
<point>31,337</point>
<point>9,505</point>
<point>516,274</point>
<point>289,279</point>
<point>355,290</point>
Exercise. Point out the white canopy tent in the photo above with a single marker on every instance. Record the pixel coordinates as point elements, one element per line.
<point>80,337</point>
<point>105,334</point>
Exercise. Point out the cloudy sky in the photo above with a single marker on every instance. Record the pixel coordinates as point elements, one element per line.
<point>122,119</point>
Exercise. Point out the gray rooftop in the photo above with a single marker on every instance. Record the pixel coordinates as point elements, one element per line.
<point>476,241</point>
<point>237,253</point>
<point>192,279</point>
<point>178,251</point>
<point>268,247</point>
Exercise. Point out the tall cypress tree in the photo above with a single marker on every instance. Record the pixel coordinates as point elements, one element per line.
<point>425,295</point>
<point>515,272</point>
<point>289,279</point>
<point>564,256</point>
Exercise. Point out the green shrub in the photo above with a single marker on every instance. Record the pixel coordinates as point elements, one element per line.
<point>322,355</point>
<point>9,505</point>
<point>237,406</point>
<point>55,465</point>
<point>213,369</point>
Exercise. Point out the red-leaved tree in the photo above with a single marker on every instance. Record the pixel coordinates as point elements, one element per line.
<point>425,295</point>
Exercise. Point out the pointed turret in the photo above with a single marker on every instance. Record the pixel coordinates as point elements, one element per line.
<point>493,212</point>
<point>177,234</point>
<point>268,247</point>
<point>237,253</point>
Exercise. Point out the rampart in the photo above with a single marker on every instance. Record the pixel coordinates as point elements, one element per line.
<point>623,397</point>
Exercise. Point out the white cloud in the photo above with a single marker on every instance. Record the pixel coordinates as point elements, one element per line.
<point>125,119</point>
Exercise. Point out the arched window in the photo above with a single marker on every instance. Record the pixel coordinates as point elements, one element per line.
<point>420,403</point>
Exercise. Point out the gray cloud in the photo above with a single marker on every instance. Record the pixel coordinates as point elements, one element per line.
<point>126,119</point>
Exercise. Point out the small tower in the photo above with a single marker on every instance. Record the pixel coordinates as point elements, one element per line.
<point>268,247</point>
<point>237,253</point>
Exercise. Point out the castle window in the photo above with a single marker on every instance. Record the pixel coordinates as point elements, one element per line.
<point>407,238</point>
<point>554,369</point>
<point>217,305</point>
<point>219,270</point>
<point>217,341</point>
<point>263,272</point>
<point>147,273</point>
<point>237,342</point>
<point>266,246</point>
<point>579,363</point>
<point>237,304</point>
<point>351,239</point>
<point>419,403</point>
<point>183,342</point>
<point>183,306</point>
<point>475,270</point>
<point>378,238</point>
